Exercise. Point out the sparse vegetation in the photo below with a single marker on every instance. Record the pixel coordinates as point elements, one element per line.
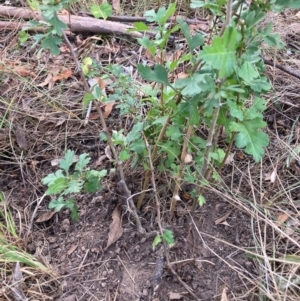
<point>177,119</point>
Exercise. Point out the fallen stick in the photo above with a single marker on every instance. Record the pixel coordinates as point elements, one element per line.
<point>75,23</point>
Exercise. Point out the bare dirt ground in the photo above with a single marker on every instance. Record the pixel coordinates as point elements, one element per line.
<point>209,251</point>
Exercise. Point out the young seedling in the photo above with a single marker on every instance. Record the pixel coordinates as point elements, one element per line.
<point>65,182</point>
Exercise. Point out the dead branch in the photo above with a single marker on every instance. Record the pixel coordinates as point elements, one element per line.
<point>75,23</point>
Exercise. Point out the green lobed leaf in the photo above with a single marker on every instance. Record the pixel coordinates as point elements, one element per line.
<point>158,75</point>
<point>73,186</point>
<point>23,36</point>
<point>51,42</point>
<point>101,11</point>
<point>191,85</point>
<point>173,133</point>
<point>255,111</point>
<point>190,109</point>
<point>218,155</point>
<point>67,161</point>
<point>221,53</point>
<point>260,84</point>
<point>58,26</point>
<point>201,200</point>
<point>141,26</point>
<point>250,137</point>
<point>58,186</point>
<point>93,184</point>
<point>156,241</point>
<point>162,15</point>
<point>147,44</point>
<point>51,178</point>
<point>247,72</point>
<point>57,204</point>
<point>235,109</point>
<point>97,173</point>
<point>137,146</point>
<point>135,132</point>
<point>168,237</point>
<point>87,98</point>
<point>124,155</point>
<point>74,213</point>
<point>82,162</point>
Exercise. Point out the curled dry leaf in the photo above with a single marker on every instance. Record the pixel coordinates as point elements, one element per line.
<point>45,216</point>
<point>271,176</point>
<point>108,152</point>
<point>115,228</point>
<point>99,161</point>
<point>108,108</point>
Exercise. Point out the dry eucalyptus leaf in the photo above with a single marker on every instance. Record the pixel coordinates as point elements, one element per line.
<point>72,249</point>
<point>224,294</point>
<point>108,152</point>
<point>115,228</point>
<point>45,216</point>
<point>223,218</point>
<point>21,138</point>
<point>273,175</point>
<point>174,296</point>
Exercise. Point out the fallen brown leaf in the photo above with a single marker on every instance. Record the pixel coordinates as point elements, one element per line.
<point>223,218</point>
<point>72,249</point>
<point>48,81</point>
<point>64,74</point>
<point>282,218</point>
<point>21,138</point>
<point>24,72</point>
<point>108,108</point>
<point>115,228</point>
<point>99,161</point>
<point>108,152</point>
<point>45,216</point>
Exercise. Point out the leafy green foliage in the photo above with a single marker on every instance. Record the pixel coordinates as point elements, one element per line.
<point>103,11</point>
<point>158,75</point>
<point>167,237</point>
<point>63,182</point>
<point>250,137</point>
<point>221,53</point>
